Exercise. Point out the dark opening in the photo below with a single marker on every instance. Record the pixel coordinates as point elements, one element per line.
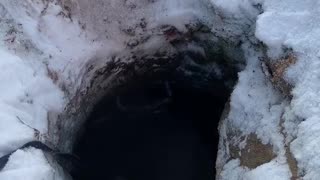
<point>163,128</point>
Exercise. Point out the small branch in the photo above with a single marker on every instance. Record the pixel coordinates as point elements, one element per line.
<point>37,132</point>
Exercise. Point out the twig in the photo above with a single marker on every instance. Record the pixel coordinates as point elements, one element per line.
<point>37,132</point>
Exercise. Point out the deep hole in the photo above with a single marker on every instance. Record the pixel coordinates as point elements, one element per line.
<point>162,128</point>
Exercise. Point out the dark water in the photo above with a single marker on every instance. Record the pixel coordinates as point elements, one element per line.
<point>152,132</point>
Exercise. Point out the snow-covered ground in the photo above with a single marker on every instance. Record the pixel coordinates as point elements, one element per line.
<point>44,51</point>
<point>295,24</point>
<point>31,164</point>
<point>255,106</point>
<point>36,54</point>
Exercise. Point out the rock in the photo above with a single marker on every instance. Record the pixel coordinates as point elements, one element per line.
<point>275,71</point>
<point>254,154</point>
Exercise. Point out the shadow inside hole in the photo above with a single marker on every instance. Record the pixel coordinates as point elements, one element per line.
<point>156,130</point>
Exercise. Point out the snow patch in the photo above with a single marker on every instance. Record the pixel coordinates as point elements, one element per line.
<point>29,164</point>
<point>26,98</point>
<point>273,170</point>
<point>295,24</point>
<point>256,106</point>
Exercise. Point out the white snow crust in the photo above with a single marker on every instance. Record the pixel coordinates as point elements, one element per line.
<point>43,51</point>
<point>33,50</point>
<point>30,164</point>
<point>291,24</point>
<point>297,25</point>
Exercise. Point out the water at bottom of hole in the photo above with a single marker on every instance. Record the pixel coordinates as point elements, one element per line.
<point>146,134</point>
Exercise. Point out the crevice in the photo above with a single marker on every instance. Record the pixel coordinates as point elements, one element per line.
<point>163,126</point>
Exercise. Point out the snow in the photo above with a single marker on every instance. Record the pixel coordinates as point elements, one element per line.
<point>48,41</point>
<point>181,12</point>
<point>256,108</point>
<point>26,98</point>
<point>249,115</point>
<point>41,53</point>
<point>233,170</point>
<point>273,169</point>
<point>60,42</point>
<point>29,164</point>
<point>291,24</point>
<point>236,7</point>
<point>28,95</point>
<point>295,24</point>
